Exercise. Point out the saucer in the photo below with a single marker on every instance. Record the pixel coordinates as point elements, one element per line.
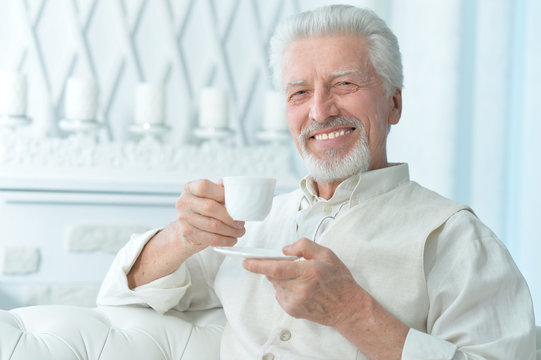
<point>254,253</point>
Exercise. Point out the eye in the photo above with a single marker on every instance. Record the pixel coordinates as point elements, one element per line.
<point>297,95</point>
<point>345,87</point>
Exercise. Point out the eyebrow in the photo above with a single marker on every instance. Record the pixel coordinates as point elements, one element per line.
<point>293,83</point>
<point>332,75</point>
<point>343,72</point>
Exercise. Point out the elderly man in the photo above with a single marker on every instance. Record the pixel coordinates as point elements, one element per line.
<point>389,269</point>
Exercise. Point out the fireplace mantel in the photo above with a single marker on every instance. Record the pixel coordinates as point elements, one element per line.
<point>82,162</point>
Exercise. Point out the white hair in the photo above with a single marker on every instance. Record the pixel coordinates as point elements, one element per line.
<point>383,47</point>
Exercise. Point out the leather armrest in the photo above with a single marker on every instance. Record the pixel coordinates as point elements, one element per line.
<point>108,332</point>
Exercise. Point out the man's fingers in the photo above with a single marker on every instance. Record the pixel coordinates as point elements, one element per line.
<point>206,198</point>
<point>276,269</point>
<point>195,237</point>
<point>213,209</point>
<point>306,248</point>
<point>206,189</point>
<point>216,226</point>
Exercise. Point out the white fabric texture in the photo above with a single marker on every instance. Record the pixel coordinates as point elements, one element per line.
<point>427,260</point>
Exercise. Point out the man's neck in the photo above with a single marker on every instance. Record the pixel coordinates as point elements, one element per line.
<point>326,190</point>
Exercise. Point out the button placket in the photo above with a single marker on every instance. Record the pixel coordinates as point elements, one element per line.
<point>327,209</point>
<point>285,335</point>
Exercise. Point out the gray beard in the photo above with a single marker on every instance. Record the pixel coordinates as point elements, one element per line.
<point>329,168</point>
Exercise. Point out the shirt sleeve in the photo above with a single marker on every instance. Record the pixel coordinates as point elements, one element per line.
<point>480,305</point>
<point>188,287</point>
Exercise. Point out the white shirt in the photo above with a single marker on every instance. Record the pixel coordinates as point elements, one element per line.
<point>475,291</point>
<point>316,214</point>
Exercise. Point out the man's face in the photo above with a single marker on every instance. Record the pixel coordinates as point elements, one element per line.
<point>336,102</point>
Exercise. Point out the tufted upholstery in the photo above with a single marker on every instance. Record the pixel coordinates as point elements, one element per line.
<point>107,333</point>
<point>114,333</point>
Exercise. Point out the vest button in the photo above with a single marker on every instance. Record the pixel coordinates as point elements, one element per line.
<point>285,335</point>
<point>268,356</point>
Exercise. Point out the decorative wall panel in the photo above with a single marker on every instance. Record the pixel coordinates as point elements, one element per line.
<point>184,45</point>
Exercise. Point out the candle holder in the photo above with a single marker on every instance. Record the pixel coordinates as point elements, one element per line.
<point>12,121</point>
<point>213,134</point>
<point>147,129</point>
<point>272,136</point>
<point>79,126</point>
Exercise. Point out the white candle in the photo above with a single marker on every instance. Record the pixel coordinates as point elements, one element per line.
<point>213,108</point>
<point>13,94</point>
<point>81,101</point>
<point>149,104</point>
<point>274,118</point>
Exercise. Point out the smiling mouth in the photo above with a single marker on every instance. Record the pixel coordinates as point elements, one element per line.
<point>333,134</point>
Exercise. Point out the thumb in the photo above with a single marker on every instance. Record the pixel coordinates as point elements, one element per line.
<point>303,247</point>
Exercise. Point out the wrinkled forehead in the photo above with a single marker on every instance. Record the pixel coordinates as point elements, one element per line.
<point>328,56</point>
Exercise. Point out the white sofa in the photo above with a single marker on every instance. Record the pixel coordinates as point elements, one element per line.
<point>56,332</point>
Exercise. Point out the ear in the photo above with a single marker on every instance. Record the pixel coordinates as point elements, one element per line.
<point>396,107</point>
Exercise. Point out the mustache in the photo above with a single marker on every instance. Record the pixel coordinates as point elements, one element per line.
<point>333,121</point>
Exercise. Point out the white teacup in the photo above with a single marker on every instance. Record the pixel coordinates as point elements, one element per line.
<point>248,198</point>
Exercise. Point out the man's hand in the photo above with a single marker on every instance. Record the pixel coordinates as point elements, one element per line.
<point>321,289</point>
<point>202,218</point>
<point>202,221</point>
<point>318,288</point>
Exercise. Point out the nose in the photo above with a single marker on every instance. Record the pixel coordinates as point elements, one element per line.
<point>323,106</point>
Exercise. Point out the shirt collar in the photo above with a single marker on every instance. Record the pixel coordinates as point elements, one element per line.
<point>360,186</point>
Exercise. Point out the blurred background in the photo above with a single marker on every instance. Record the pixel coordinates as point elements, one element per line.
<point>468,130</point>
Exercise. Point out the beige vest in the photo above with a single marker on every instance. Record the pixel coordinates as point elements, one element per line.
<point>385,259</point>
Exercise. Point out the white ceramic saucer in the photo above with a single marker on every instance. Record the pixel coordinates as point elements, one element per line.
<point>254,253</point>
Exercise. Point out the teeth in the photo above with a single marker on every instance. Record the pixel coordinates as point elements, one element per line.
<point>332,135</point>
